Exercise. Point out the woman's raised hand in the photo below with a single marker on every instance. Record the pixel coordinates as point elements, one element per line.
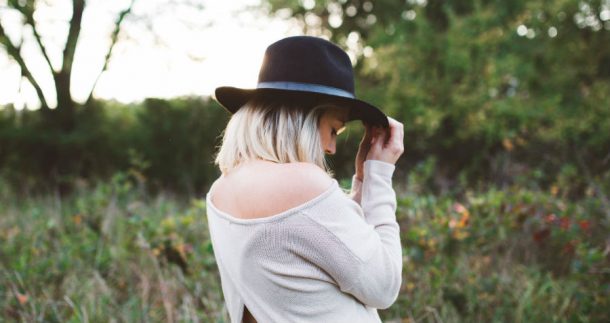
<point>387,144</point>
<point>385,149</point>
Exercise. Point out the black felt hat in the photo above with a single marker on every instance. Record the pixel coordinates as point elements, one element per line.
<point>305,68</point>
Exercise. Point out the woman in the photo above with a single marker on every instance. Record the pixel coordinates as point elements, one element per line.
<point>290,245</point>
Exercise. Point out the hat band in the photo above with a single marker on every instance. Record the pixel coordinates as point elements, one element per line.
<point>307,87</point>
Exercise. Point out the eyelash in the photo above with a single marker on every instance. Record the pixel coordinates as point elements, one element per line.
<point>338,132</point>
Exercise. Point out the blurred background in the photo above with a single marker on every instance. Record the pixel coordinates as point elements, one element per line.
<point>108,130</point>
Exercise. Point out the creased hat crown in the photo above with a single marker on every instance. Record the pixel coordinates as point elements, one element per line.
<point>308,60</point>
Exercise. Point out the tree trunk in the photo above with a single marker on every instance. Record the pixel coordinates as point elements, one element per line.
<point>66,107</point>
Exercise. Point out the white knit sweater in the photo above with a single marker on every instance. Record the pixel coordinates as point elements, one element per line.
<point>335,258</point>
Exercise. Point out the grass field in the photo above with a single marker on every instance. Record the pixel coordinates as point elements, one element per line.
<point>112,253</point>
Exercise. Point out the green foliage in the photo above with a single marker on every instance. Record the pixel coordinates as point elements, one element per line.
<point>168,144</point>
<point>113,251</point>
<point>110,252</point>
<point>509,255</point>
<point>179,138</point>
<point>494,90</point>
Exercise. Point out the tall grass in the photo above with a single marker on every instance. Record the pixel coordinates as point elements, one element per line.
<point>112,253</point>
<point>109,253</point>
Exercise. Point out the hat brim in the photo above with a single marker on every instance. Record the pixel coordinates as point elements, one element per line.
<point>232,98</point>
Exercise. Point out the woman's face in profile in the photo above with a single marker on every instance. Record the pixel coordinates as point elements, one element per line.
<point>332,123</point>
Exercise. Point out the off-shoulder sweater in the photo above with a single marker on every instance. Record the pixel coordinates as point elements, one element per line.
<point>334,258</point>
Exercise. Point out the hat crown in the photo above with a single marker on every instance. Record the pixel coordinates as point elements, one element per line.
<point>308,60</point>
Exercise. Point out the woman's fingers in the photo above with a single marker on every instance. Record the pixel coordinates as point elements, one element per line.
<point>379,137</point>
<point>396,142</point>
<point>387,144</point>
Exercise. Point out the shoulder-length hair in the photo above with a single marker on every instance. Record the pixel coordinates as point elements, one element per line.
<point>280,131</point>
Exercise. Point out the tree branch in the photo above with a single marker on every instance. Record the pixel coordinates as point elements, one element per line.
<point>15,53</point>
<point>30,21</point>
<point>28,13</point>
<point>113,40</point>
<point>78,6</point>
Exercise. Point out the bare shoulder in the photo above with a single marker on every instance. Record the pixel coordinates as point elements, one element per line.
<point>267,189</point>
<point>305,179</point>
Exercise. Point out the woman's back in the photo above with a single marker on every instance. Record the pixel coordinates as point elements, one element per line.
<point>259,189</point>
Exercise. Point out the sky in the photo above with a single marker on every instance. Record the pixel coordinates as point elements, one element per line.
<point>188,52</point>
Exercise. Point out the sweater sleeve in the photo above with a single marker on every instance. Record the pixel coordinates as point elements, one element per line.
<point>359,247</point>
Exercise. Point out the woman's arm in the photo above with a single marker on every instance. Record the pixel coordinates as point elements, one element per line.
<point>359,247</point>
<point>377,276</point>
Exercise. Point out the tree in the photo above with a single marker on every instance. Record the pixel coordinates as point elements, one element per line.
<point>71,140</point>
<point>480,85</point>
<point>63,74</point>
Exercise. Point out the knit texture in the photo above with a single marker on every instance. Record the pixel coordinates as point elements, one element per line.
<point>335,258</point>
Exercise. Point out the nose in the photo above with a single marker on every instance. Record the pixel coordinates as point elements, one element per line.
<point>330,150</point>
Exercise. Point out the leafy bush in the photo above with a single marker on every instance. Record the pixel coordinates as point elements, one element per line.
<point>113,251</point>
<point>171,143</point>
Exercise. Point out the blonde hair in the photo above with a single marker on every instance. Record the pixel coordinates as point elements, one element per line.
<point>273,130</point>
